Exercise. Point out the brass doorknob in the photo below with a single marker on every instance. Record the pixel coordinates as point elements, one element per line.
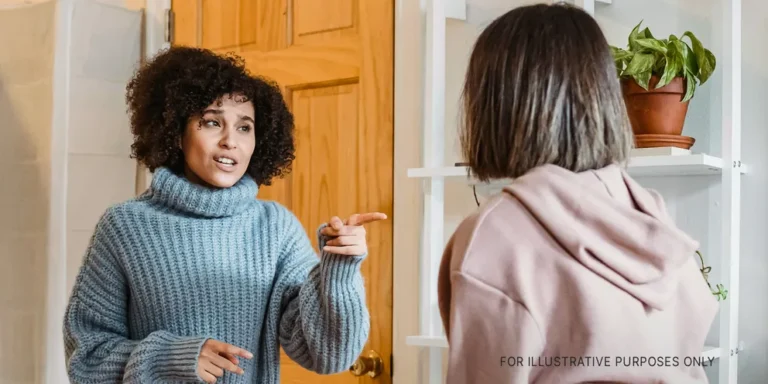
<point>370,365</point>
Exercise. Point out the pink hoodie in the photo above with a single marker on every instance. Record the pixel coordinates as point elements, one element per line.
<point>574,278</point>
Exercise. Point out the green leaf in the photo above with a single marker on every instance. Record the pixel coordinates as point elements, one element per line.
<point>633,36</point>
<point>646,33</point>
<point>687,57</point>
<point>621,58</point>
<point>698,48</point>
<point>690,86</point>
<point>652,45</point>
<point>642,79</point>
<point>702,56</point>
<point>621,54</point>
<point>706,70</point>
<point>658,65</point>
<point>674,64</point>
<point>640,68</point>
<point>641,62</point>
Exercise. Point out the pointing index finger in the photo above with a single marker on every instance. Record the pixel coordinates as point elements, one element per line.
<point>366,218</point>
<point>352,219</point>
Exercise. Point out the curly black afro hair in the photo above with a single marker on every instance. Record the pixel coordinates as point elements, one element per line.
<point>181,82</point>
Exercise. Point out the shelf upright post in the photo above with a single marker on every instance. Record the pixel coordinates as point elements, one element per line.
<point>587,5</point>
<point>731,189</point>
<point>433,156</point>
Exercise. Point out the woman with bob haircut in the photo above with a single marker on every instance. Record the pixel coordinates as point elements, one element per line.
<point>574,273</point>
<point>197,280</point>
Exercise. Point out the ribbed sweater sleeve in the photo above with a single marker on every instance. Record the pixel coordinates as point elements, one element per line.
<point>96,338</point>
<point>324,323</point>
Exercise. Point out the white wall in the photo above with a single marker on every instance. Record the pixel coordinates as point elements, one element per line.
<point>105,49</point>
<point>753,327</point>
<point>26,83</point>
<point>65,155</point>
<point>694,201</point>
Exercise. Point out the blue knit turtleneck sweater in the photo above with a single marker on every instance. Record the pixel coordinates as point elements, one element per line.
<point>183,263</point>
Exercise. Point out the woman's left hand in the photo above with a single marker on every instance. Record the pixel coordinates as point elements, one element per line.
<point>348,236</point>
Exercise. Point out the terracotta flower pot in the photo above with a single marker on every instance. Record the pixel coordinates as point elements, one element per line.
<point>657,112</point>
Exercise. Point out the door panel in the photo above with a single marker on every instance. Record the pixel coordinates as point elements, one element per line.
<point>324,20</point>
<point>334,62</point>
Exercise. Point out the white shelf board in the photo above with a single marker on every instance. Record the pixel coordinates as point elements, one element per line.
<point>675,165</point>
<point>711,352</point>
<point>427,341</point>
<point>441,342</point>
<point>457,9</point>
<point>665,165</point>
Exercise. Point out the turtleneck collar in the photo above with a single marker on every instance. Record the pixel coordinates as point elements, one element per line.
<point>177,192</point>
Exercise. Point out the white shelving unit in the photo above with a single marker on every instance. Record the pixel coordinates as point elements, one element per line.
<point>674,163</point>
<point>668,165</point>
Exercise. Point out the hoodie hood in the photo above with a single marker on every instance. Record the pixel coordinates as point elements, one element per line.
<point>611,225</point>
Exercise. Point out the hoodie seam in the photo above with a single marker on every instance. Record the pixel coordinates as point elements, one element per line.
<point>604,184</point>
<point>478,282</point>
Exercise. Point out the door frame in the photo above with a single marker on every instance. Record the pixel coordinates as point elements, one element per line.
<point>409,362</point>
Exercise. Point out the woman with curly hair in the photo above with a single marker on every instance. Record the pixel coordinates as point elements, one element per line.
<point>197,279</point>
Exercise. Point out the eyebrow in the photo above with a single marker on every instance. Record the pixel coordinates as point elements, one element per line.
<point>219,112</point>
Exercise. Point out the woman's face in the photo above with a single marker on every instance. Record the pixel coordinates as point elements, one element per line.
<point>218,144</point>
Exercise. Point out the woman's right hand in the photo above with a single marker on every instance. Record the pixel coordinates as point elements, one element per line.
<point>216,356</point>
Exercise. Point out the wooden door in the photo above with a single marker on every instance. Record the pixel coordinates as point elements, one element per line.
<point>334,62</point>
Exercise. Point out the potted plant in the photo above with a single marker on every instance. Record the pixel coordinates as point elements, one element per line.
<point>659,77</point>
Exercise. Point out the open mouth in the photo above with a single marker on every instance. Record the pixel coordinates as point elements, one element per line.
<point>225,160</point>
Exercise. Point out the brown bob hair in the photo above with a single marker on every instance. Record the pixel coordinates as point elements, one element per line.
<point>541,88</point>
